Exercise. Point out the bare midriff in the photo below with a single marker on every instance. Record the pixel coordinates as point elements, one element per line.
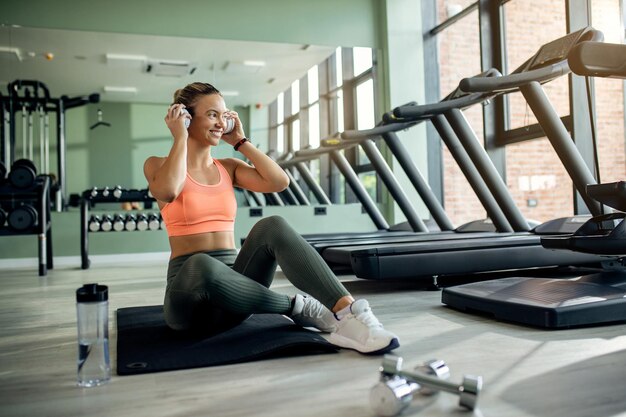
<point>201,242</point>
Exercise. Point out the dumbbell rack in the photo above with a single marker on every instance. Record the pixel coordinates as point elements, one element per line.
<point>87,201</point>
<point>38,196</point>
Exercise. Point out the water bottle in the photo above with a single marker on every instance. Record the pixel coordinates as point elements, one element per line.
<point>92,312</point>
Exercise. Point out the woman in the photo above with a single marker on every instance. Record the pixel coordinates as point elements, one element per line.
<point>209,285</point>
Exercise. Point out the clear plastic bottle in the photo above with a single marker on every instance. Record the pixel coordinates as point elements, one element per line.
<point>92,312</point>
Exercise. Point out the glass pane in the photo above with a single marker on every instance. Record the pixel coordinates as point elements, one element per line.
<point>525,32</point>
<point>609,95</point>
<point>368,179</point>
<point>295,135</point>
<point>338,67</point>
<point>280,108</point>
<point>365,118</point>
<point>459,57</point>
<point>541,187</point>
<point>313,80</point>
<point>280,139</point>
<point>449,8</point>
<point>362,58</point>
<point>295,97</point>
<point>340,111</point>
<point>314,167</point>
<point>314,125</point>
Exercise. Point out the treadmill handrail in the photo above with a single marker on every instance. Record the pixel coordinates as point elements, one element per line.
<point>305,155</point>
<point>524,75</point>
<point>375,131</point>
<point>427,111</point>
<point>507,83</point>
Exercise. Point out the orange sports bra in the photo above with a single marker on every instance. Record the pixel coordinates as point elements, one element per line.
<point>201,208</point>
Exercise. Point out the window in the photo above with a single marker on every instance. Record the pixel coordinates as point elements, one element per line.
<point>609,97</point>
<point>459,57</point>
<point>304,117</point>
<point>362,60</point>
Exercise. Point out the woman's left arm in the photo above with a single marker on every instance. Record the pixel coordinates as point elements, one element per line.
<point>265,176</point>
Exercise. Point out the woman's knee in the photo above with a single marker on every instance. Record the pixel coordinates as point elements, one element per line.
<point>272,227</point>
<point>273,222</point>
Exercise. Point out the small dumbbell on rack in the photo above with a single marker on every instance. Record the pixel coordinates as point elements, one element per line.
<point>396,388</point>
<point>106,224</point>
<point>153,222</point>
<point>118,222</point>
<point>130,222</point>
<point>94,223</point>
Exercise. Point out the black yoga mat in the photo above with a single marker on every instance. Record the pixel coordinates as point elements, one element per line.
<point>145,343</point>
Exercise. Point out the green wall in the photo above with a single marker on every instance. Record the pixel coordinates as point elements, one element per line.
<point>320,22</point>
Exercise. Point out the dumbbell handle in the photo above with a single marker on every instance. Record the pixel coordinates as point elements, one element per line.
<point>430,382</point>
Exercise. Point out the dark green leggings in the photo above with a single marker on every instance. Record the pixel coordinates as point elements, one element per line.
<point>214,291</point>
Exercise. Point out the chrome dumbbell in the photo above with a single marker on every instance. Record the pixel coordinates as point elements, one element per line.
<point>395,390</point>
<point>394,393</point>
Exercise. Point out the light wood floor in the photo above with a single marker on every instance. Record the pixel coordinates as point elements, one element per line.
<point>526,371</point>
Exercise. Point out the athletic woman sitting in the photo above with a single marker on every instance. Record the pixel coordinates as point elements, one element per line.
<point>211,286</point>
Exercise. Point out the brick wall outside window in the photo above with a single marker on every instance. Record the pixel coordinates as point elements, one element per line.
<point>538,182</point>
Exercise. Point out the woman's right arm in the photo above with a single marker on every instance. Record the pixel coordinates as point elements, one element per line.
<point>166,176</point>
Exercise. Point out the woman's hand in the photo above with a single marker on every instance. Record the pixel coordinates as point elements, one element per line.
<point>175,121</point>
<point>237,133</point>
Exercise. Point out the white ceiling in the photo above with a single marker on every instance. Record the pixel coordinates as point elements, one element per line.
<point>80,67</point>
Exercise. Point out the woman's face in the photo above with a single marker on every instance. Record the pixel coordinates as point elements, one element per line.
<point>208,118</point>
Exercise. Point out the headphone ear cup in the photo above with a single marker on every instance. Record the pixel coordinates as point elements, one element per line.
<point>230,125</point>
<point>187,121</point>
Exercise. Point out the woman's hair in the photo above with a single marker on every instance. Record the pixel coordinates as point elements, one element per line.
<point>191,92</point>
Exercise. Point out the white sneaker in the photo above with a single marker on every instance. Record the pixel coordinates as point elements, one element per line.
<point>308,312</point>
<point>360,330</point>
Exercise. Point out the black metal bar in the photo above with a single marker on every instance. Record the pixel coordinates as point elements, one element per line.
<point>84,243</point>
<point>43,244</point>
<point>394,188</point>
<point>297,190</point>
<point>471,173</point>
<point>61,198</point>
<point>561,142</point>
<point>361,193</point>
<point>578,16</point>
<point>288,197</point>
<point>314,186</point>
<point>485,167</point>
<point>274,199</point>
<point>433,205</point>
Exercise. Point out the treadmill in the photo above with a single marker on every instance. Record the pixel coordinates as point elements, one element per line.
<point>591,299</point>
<point>336,251</point>
<point>519,250</point>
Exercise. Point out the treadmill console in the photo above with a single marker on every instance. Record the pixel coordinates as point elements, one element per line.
<point>557,50</point>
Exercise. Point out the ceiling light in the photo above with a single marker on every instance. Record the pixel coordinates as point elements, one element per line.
<point>125,61</point>
<point>243,67</point>
<point>123,90</point>
<point>229,93</point>
<point>254,63</point>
